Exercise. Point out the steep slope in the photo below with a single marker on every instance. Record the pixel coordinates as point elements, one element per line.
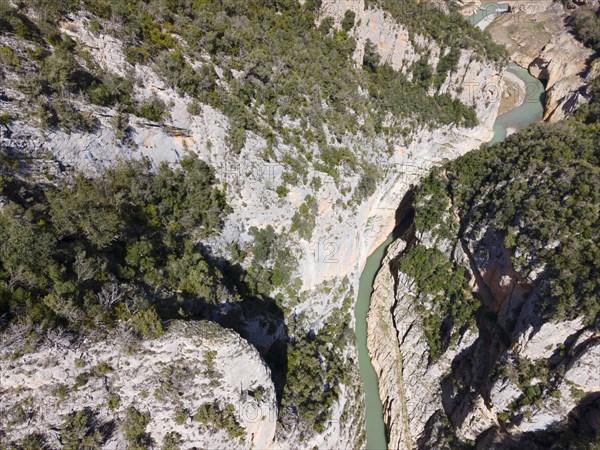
<point>198,384</point>
<point>310,130</point>
<point>491,298</point>
<point>539,37</point>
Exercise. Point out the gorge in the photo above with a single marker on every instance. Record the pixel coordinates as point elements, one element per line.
<point>529,112</point>
<point>199,202</point>
<point>397,335</point>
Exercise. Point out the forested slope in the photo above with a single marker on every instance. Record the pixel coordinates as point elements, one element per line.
<point>101,241</point>
<point>494,291</point>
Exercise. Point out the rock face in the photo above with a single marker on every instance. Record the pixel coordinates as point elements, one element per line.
<point>503,381</point>
<point>193,364</point>
<point>537,39</point>
<point>341,241</point>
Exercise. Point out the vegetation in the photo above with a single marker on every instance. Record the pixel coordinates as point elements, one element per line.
<point>213,415</point>
<point>304,220</point>
<point>288,69</point>
<point>171,441</point>
<point>585,23</point>
<point>426,18</point>
<point>92,253</point>
<point>444,298</point>
<point>78,431</point>
<point>316,368</point>
<point>273,262</point>
<point>134,429</point>
<point>152,109</point>
<point>540,191</point>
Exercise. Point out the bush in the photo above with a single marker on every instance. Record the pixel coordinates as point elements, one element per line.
<point>171,441</point>
<point>305,220</point>
<point>70,251</point>
<point>211,414</point>
<point>134,428</point>
<point>147,324</point>
<point>113,401</point>
<point>153,109</point>
<point>33,441</point>
<point>77,431</point>
<point>5,118</point>
<point>586,27</point>
<point>348,21</point>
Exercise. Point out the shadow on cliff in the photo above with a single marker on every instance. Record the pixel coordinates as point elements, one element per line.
<point>580,430</point>
<point>257,318</point>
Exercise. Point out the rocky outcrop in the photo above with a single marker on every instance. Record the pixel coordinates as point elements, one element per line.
<point>343,236</point>
<point>537,39</point>
<point>169,379</point>
<point>511,376</point>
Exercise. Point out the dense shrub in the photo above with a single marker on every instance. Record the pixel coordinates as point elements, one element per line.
<point>220,418</point>
<point>316,368</point>
<point>586,26</point>
<point>78,252</point>
<point>152,108</point>
<point>540,190</point>
<point>134,429</point>
<point>443,296</point>
<point>78,431</point>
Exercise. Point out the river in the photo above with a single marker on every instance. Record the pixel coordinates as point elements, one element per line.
<point>529,112</point>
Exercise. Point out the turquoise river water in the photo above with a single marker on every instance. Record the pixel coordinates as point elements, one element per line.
<point>529,112</point>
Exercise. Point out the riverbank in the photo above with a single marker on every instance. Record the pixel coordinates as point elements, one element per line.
<point>513,92</point>
<point>538,40</point>
<point>521,103</point>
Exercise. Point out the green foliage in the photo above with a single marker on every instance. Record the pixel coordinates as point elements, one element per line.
<point>540,191</point>
<point>61,392</point>
<point>9,57</point>
<point>134,429</point>
<point>77,431</point>
<point>171,441</point>
<point>4,118</point>
<point>181,415</point>
<point>348,21</point>
<point>304,220</point>
<point>393,92</point>
<point>113,401</point>
<point>209,361</point>
<point>220,418</point>
<point>263,242</point>
<point>112,90</point>
<point>273,261</point>
<point>60,113</point>
<point>147,324</point>
<point>62,71</point>
<point>316,368</point>
<point>443,296</point>
<point>75,254</point>
<point>586,27</point>
<point>282,191</point>
<point>446,64</point>
<point>371,58</point>
<point>152,108</point>
<point>13,21</point>
<point>178,73</point>
<point>32,441</point>
<point>425,18</point>
<point>82,379</point>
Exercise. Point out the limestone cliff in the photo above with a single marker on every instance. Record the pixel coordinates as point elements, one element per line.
<point>468,329</point>
<point>256,181</point>
<point>169,380</point>
<point>538,39</point>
